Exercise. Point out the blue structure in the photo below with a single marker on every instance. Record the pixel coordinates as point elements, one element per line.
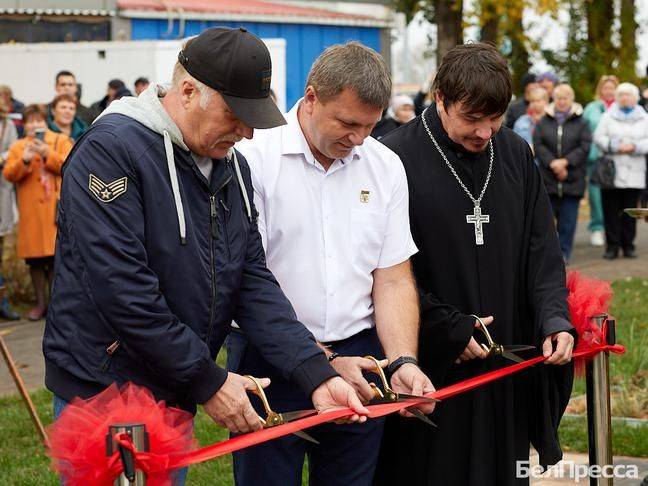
<point>304,42</point>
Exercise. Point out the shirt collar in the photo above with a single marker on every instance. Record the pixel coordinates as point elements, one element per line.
<point>294,142</point>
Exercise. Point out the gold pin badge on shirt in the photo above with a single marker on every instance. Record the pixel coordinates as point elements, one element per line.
<point>364,196</point>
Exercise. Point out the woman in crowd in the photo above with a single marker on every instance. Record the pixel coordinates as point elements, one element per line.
<point>593,112</point>
<point>8,136</point>
<point>63,117</point>
<point>400,111</point>
<point>34,166</point>
<point>524,126</point>
<point>622,135</point>
<point>562,141</point>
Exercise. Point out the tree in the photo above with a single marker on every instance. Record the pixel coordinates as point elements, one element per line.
<point>447,15</point>
<point>628,54</point>
<point>591,48</point>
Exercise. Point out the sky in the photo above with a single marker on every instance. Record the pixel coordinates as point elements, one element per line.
<point>550,33</point>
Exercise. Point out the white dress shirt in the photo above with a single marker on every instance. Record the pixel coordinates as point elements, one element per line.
<point>325,232</point>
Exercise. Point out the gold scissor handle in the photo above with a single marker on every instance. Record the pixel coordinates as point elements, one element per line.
<point>388,394</point>
<point>273,418</point>
<point>491,346</point>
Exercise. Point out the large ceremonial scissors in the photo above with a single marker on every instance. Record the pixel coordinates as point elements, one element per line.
<point>507,350</point>
<point>273,419</point>
<point>391,396</point>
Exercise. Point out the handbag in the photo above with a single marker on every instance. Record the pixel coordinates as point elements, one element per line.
<point>604,172</point>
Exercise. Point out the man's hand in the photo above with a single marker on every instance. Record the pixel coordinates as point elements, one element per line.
<point>230,406</point>
<point>474,349</point>
<point>351,367</point>
<point>336,393</point>
<point>564,347</point>
<point>411,380</point>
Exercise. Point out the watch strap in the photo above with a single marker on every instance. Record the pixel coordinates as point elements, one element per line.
<point>400,361</point>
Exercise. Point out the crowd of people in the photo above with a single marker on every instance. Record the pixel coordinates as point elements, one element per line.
<point>569,143</point>
<point>34,142</point>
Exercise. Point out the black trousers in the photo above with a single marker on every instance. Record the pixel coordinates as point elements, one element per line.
<point>620,229</point>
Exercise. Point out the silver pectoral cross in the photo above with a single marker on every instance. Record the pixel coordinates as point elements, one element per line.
<point>477,218</point>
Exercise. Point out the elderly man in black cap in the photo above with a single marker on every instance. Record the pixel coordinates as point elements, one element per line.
<point>158,248</point>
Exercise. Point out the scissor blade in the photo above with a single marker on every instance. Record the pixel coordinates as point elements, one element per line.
<point>305,436</point>
<point>512,357</point>
<point>404,397</point>
<point>297,414</point>
<point>421,416</point>
<point>516,348</point>
<point>379,401</point>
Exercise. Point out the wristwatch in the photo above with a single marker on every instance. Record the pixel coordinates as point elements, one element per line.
<point>398,362</point>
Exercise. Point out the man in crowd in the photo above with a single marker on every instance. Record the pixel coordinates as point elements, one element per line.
<point>114,87</point>
<point>158,247</point>
<point>487,244</point>
<point>520,106</point>
<point>333,215</point>
<point>140,85</point>
<point>66,83</point>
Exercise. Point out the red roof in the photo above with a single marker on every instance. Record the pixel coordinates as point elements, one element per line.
<point>238,7</point>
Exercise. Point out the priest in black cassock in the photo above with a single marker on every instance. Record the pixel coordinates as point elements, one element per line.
<point>487,243</point>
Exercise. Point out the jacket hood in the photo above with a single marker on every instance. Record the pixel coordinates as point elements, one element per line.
<point>575,110</point>
<point>148,110</point>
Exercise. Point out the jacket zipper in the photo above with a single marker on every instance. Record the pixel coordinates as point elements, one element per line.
<point>110,350</point>
<point>560,134</point>
<point>213,232</point>
<point>225,222</point>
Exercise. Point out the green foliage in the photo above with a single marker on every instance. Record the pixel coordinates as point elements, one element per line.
<point>627,440</point>
<point>628,54</point>
<point>591,48</point>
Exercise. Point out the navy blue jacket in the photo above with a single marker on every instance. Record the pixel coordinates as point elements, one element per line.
<point>132,302</point>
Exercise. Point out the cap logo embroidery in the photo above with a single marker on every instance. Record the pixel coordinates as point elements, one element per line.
<point>107,192</point>
<point>364,196</point>
<point>266,78</point>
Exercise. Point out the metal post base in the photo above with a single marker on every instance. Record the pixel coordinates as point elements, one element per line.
<point>599,414</point>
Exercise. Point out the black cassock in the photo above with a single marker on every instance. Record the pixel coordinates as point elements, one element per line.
<point>517,276</point>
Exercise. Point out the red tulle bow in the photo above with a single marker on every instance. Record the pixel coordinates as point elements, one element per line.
<point>78,437</point>
<point>587,297</point>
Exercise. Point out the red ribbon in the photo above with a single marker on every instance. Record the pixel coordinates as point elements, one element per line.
<point>151,462</point>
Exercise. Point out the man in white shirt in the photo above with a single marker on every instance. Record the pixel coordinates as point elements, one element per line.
<point>334,219</point>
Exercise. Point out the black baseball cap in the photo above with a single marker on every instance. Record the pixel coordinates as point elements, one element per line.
<point>237,64</point>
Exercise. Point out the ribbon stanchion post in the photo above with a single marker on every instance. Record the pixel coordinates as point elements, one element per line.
<point>599,416</point>
<point>136,434</point>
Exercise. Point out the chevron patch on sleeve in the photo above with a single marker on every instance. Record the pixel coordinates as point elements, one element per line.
<point>107,192</point>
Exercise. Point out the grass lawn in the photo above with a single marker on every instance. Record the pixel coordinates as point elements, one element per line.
<point>23,462</point>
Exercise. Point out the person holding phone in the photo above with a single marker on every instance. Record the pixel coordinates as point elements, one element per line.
<point>34,166</point>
